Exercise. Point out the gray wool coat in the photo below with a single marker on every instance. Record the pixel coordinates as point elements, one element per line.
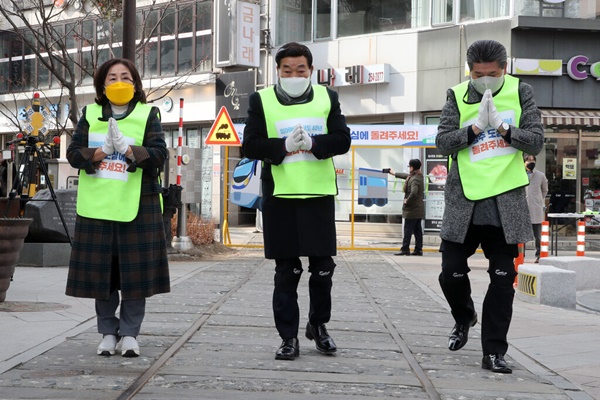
<point>512,205</point>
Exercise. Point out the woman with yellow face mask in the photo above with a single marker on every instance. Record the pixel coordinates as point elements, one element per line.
<point>119,254</point>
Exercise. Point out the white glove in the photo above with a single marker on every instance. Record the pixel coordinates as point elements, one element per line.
<point>495,120</point>
<point>107,146</point>
<point>294,141</point>
<point>482,117</point>
<point>118,140</point>
<point>306,141</point>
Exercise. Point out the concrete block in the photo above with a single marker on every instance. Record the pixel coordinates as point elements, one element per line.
<point>545,284</point>
<point>586,268</point>
<point>45,254</point>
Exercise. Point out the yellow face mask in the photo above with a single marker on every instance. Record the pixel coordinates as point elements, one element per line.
<point>119,93</point>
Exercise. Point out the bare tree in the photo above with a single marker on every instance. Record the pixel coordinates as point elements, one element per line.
<point>49,32</point>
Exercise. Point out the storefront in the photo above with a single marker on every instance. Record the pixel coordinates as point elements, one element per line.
<point>572,161</point>
<point>562,63</point>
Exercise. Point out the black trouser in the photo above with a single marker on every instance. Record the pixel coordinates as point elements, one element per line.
<point>412,226</point>
<point>285,294</point>
<point>497,304</point>
<point>537,232</point>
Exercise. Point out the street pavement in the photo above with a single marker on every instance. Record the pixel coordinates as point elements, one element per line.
<point>213,336</point>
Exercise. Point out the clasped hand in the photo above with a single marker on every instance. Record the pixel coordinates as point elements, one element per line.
<point>298,140</point>
<point>488,114</point>
<point>116,137</point>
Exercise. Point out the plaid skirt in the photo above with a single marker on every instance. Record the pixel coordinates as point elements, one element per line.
<point>131,256</point>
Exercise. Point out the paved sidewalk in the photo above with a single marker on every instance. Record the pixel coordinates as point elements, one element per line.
<point>389,320</point>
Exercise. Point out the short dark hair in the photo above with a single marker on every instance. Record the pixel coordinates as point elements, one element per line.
<point>293,49</point>
<point>415,163</point>
<point>484,51</point>
<point>526,156</point>
<point>102,72</point>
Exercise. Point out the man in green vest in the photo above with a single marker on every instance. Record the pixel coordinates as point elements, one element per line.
<point>296,128</point>
<point>485,126</point>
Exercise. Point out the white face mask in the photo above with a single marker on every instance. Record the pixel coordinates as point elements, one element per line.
<point>294,87</point>
<point>488,82</point>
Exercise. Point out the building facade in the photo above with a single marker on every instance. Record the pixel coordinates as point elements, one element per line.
<point>391,62</point>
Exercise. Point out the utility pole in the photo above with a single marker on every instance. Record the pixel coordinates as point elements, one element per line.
<point>129,33</point>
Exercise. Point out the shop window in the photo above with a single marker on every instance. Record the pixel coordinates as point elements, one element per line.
<point>103,55</point>
<point>167,56</point>
<point>167,25</point>
<point>185,19</point>
<point>204,16</point>
<point>4,70</point>
<point>475,9</point>
<point>43,76</point>
<point>357,17</point>
<point>87,67</point>
<point>323,20</point>
<point>442,12</point>
<point>203,53</point>
<point>182,44</point>
<point>168,137</point>
<point>71,36</point>
<point>294,18</point>
<point>557,9</point>
<point>193,138</point>
<point>184,54</point>
<point>28,74</point>
<point>151,59</point>
<point>561,171</point>
<point>103,32</point>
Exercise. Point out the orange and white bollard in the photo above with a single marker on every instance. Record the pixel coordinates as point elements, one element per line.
<point>545,239</point>
<point>518,261</point>
<point>581,238</point>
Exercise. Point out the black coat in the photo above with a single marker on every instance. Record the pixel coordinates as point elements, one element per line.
<point>295,227</point>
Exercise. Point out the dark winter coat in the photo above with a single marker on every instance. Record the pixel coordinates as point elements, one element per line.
<point>295,227</point>
<point>414,186</point>
<point>135,251</point>
<point>511,206</point>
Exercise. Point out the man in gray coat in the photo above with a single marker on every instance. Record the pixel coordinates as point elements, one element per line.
<point>536,200</point>
<point>485,126</point>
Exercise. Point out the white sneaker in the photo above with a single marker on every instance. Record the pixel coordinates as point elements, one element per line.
<point>108,346</point>
<point>129,347</point>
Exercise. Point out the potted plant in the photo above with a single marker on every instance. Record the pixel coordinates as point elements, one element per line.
<point>12,237</point>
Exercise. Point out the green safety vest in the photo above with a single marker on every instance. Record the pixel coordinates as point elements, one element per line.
<point>112,193</point>
<point>301,174</point>
<point>490,166</point>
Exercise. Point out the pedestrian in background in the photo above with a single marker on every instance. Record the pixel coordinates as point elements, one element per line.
<point>536,200</point>
<point>485,126</point>
<point>413,207</point>
<point>119,244</point>
<point>296,128</point>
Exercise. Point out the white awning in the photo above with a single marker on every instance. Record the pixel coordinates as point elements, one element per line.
<point>570,118</point>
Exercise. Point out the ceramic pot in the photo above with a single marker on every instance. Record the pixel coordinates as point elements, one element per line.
<point>12,237</point>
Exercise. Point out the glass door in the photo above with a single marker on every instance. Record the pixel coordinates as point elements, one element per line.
<point>561,171</point>
<point>590,179</point>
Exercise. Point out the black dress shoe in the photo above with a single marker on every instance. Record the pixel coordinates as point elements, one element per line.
<point>403,253</point>
<point>416,253</point>
<point>288,350</point>
<point>459,336</point>
<point>323,342</point>
<point>495,363</point>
